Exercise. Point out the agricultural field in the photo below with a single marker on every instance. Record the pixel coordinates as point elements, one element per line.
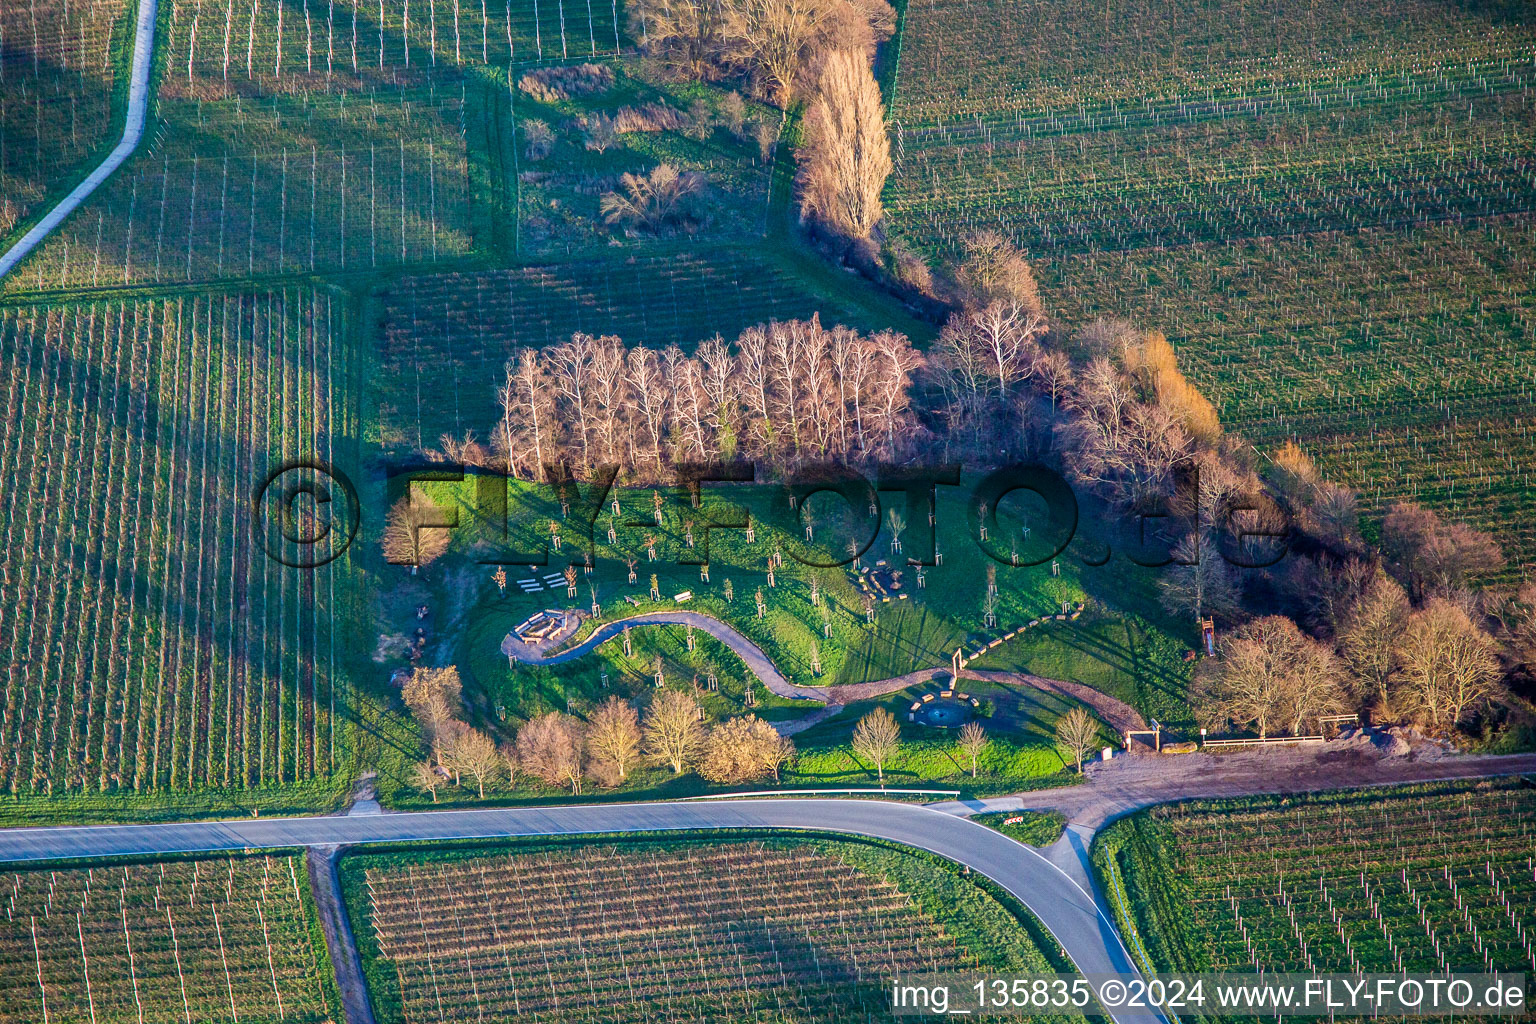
<point>58,70</point>
<point>250,188</point>
<point>780,930</point>
<point>1326,207</point>
<point>446,337</point>
<point>217,940</point>
<point>1428,879</point>
<point>216,50</point>
<point>151,643</point>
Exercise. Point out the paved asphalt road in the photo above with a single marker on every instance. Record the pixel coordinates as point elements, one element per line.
<point>133,130</point>
<point>1057,898</point>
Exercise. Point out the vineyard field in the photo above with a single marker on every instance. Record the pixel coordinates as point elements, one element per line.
<point>1328,209</point>
<point>238,189</point>
<point>215,50</point>
<point>150,642</point>
<point>56,80</point>
<point>804,931</point>
<point>446,336</point>
<point>1423,880</point>
<point>1401,388</point>
<point>211,940</point>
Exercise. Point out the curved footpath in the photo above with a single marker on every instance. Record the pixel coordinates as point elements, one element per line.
<point>133,131</point>
<point>746,650</point>
<point>1119,715</point>
<point>1062,903</point>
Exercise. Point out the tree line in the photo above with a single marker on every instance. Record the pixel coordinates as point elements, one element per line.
<point>562,750</point>
<point>781,393</point>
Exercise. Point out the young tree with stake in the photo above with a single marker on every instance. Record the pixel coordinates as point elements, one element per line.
<point>973,740</point>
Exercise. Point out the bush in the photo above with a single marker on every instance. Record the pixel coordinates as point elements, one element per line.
<point>551,85</point>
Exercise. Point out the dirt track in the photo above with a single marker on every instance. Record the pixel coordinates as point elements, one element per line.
<point>1129,783</point>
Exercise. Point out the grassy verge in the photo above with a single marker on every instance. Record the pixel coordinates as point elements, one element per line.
<point>1038,828</point>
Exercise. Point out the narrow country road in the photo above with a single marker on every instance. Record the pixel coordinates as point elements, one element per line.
<point>1062,903</point>
<point>133,131</point>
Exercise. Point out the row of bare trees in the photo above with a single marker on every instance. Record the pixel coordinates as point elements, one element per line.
<point>563,750</point>
<point>1398,627</point>
<point>781,393</point>
<point>1433,665</point>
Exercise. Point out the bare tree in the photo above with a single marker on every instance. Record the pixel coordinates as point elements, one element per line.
<point>673,734</point>
<point>648,384</point>
<point>1054,372</point>
<point>550,749</point>
<point>610,399</point>
<point>740,750</point>
<point>653,201</point>
<point>474,753</point>
<point>775,39</point>
<point>846,156</point>
<point>424,777</point>
<point>1450,666</point>
<point>1200,581</point>
<point>1430,555</point>
<point>433,696</point>
<point>1268,674</point>
<point>526,435</point>
<point>415,531</point>
<point>775,752</point>
<point>687,34</point>
<point>571,369</point>
<point>613,737</point>
<point>1077,733</point>
<point>994,270</point>
<point>509,763</point>
<point>876,738</point>
<point>973,740</point>
<point>1370,636</point>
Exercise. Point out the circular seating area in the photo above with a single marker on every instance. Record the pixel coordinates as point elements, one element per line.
<point>947,709</point>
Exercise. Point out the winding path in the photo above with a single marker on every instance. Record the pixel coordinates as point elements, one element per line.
<point>133,131</point>
<point>746,650</point>
<point>1119,715</point>
<point>1065,905</point>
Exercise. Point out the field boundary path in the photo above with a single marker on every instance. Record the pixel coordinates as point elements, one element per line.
<point>1119,715</point>
<point>323,882</point>
<point>1065,906</point>
<point>133,131</point>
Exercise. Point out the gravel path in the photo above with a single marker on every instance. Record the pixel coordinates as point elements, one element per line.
<point>756,661</point>
<point>1125,784</point>
<point>321,862</point>
<point>1117,714</point>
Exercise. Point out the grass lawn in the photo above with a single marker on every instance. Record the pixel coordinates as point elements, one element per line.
<point>1122,656</point>
<point>1038,828</point>
<point>811,614</point>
